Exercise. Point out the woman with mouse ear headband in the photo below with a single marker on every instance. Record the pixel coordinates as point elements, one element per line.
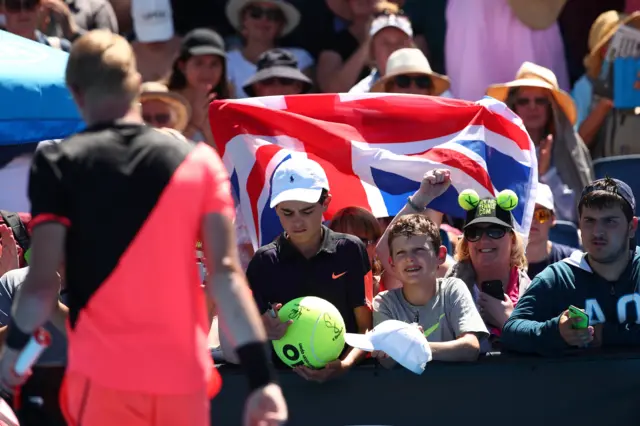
<point>489,250</point>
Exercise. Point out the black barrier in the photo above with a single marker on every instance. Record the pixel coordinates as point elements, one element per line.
<point>592,389</point>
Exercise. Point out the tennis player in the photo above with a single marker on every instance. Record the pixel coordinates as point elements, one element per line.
<point>123,205</point>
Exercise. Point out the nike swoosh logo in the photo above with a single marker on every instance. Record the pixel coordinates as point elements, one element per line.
<point>433,328</point>
<point>335,277</point>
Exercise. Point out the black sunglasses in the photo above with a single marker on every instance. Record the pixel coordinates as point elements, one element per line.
<point>421,81</point>
<point>536,101</point>
<point>282,81</point>
<point>474,233</point>
<point>19,5</point>
<point>272,14</point>
<point>161,119</point>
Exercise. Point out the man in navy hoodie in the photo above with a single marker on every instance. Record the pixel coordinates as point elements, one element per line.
<point>603,282</point>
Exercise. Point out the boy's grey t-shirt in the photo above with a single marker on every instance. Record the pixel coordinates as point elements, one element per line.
<point>447,316</point>
<point>56,354</point>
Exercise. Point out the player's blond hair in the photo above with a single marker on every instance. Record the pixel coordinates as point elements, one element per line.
<point>102,65</point>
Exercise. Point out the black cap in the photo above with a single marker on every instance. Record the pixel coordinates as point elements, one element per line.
<point>277,63</point>
<point>203,41</point>
<point>488,211</point>
<point>615,186</point>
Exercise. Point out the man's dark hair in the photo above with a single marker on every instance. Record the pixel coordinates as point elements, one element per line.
<point>323,196</point>
<point>603,194</point>
<point>413,225</point>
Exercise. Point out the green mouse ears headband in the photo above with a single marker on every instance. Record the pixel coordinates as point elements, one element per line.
<point>506,199</point>
<point>488,210</point>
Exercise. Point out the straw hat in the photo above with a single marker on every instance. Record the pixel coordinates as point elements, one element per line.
<point>153,90</point>
<point>291,14</point>
<point>411,61</point>
<point>538,14</point>
<point>602,30</point>
<point>532,75</point>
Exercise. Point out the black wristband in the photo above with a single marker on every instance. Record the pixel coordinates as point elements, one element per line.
<point>255,358</point>
<point>16,338</point>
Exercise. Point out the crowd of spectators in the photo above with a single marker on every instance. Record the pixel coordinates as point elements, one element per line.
<point>419,266</point>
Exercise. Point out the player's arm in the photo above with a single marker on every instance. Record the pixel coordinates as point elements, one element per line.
<point>37,296</point>
<point>238,316</point>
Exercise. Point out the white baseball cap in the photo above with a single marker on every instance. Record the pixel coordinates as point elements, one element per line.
<point>403,342</point>
<point>298,179</point>
<point>152,20</point>
<point>391,21</point>
<point>544,197</point>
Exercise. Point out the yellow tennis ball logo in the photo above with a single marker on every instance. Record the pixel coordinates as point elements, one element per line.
<point>468,199</point>
<point>507,200</point>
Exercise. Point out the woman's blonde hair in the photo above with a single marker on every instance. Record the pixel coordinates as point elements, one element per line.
<point>518,258</point>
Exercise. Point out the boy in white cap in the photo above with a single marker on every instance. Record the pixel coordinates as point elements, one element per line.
<point>308,259</point>
<point>540,251</point>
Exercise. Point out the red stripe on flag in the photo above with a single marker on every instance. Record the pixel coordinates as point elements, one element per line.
<point>387,119</point>
<point>460,161</point>
<point>330,146</point>
<point>256,179</point>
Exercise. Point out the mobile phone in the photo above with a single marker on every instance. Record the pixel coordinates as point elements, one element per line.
<point>493,289</point>
<point>575,312</point>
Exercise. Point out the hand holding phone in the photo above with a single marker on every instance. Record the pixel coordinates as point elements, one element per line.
<point>583,318</point>
<point>493,288</point>
<point>574,327</point>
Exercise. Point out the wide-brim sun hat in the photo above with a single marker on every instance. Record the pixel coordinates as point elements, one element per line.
<point>533,75</point>
<point>277,63</point>
<point>411,61</point>
<point>291,14</point>
<point>153,90</point>
<point>538,14</point>
<point>602,31</point>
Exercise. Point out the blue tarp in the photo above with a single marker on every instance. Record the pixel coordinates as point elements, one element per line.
<point>34,101</point>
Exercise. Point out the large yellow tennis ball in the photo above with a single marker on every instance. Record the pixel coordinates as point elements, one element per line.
<point>507,200</point>
<point>316,336</point>
<point>468,199</point>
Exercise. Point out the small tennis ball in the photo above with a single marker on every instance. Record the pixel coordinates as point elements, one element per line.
<point>316,336</point>
<point>468,199</point>
<point>507,200</point>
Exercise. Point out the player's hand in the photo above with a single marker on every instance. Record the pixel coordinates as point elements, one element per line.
<point>573,336</point>
<point>434,184</point>
<point>265,407</point>
<point>9,380</point>
<point>9,253</point>
<point>275,328</point>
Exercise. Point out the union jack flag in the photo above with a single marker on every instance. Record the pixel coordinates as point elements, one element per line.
<point>375,149</point>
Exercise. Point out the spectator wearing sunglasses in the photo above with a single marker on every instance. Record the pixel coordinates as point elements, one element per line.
<point>491,250</point>
<point>23,16</point>
<point>549,114</point>
<point>162,108</point>
<point>261,24</point>
<point>540,251</point>
<point>277,74</point>
<point>408,71</point>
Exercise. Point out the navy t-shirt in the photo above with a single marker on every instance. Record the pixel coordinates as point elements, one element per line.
<point>558,252</point>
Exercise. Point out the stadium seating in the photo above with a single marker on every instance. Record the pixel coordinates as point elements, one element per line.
<point>626,168</point>
<point>565,232</point>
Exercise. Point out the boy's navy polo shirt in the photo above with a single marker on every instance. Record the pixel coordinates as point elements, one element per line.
<point>278,273</point>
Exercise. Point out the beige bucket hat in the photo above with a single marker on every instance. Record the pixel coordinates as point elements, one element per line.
<point>154,90</point>
<point>602,30</point>
<point>291,14</point>
<point>411,61</point>
<point>532,75</point>
<point>538,14</point>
